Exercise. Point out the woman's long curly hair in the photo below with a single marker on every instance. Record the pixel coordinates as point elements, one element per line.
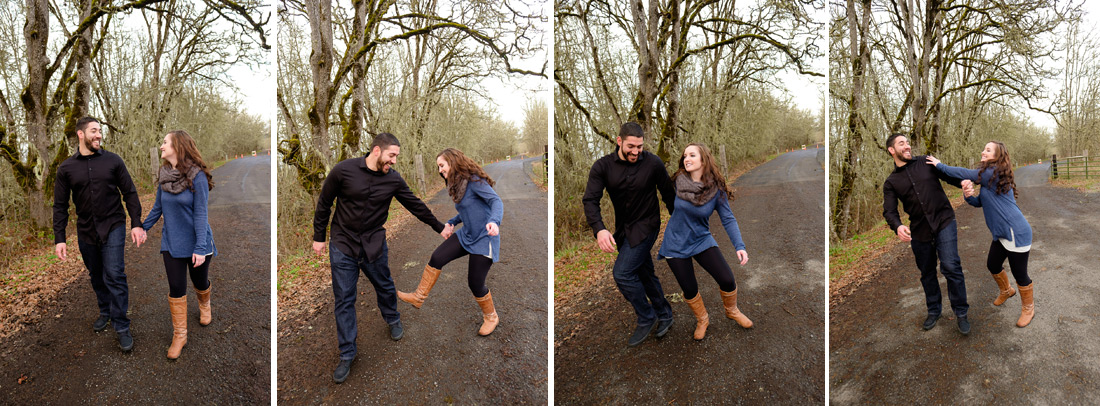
<point>187,156</point>
<point>712,175</point>
<point>462,168</point>
<point>1002,169</point>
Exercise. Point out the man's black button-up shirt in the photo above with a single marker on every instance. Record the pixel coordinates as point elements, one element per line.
<point>633,190</point>
<point>98,183</point>
<point>917,185</point>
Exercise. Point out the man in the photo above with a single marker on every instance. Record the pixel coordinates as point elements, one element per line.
<point>97,179</point>
<point>632,178</point>
<point>933,230</point>
<point>363,189</point>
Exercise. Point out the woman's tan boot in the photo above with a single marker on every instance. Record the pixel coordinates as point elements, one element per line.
<point>729,300</point>
<point>427,280</point>
<point>204,306</point>
<point>1004,286</point>
<point>488,313</point>
<point>702,320</point>
<point>178,307</point>
<point>1028,310</point>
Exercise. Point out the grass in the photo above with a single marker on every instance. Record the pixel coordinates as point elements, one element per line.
<point>538,170</point>
<point>1081,184</point>
<point>856,252</point>
<point>845,255</point>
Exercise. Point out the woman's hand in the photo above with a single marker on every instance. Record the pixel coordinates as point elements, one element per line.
<point>198,259</point>
<point>932,160</point>
<point>448,229</point>
<point>743,256</point>
<point>968,188</point>
<point>493,229</point>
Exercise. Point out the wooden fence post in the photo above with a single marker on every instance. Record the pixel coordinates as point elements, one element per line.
<point>1086,160</point>
<point>722,159</point>
<point>154,161</point>
<point>420,176</point>
<point>1054,166</point>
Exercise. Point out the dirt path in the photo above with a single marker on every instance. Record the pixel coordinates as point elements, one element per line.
<point>879,354</point>
<point>441,359</point>
<point>781,212</point>
<point>66,363</point>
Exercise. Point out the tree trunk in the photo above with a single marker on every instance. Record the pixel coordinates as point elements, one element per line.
<point>860,54</point>
<point>320,65</point>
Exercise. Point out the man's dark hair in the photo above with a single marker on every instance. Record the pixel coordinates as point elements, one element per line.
<point>82,123</point>
<point>891,138</point>
<point>383,141</point>
<point>631,129</point>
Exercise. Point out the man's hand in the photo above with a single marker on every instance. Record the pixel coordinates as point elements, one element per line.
<point>904,234</point>
<point>931,160</point>
<point>448,229</point>
<point>493,229</point>
<point>605,241</point>
<point>137,234</point>
<point>198,259</point>
<point>968,188</point>
<point>318,248</point>
<point>743,256</point>
<point>62,251</point>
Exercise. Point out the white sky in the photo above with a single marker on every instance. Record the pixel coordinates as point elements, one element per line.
<point>807,91</point>
<point>1091,20</point>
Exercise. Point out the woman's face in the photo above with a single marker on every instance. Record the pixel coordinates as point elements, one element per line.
<point>693,161</point>
<point>444,167</point>
<point>989,153</point>
<point>166,150</point>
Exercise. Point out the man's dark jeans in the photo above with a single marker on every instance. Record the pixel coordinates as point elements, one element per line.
<point>345,276</point>
<point>107,268</point>
<point>635,276</point>
<point>946,246</point>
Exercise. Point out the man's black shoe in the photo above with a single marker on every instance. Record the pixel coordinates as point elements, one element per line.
<point>964,326</point>
<point>662,327</point>
<point>640,334</point>
<point>342,370</point>
<point>100,323</point>
<point>125,341</point>
<point>396,331</point>
<point>930,322</point>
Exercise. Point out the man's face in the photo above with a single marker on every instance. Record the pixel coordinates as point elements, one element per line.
<point>387,158</point>
<point>91,137</point>
<point>901,149</point>
<point>631,147</point>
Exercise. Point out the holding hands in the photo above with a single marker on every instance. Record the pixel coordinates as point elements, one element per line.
<point>448,229</point>
<point>968,188</point>
<point>137,234</point>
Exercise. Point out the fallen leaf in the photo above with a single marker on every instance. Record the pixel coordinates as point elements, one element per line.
<point>23,379</point>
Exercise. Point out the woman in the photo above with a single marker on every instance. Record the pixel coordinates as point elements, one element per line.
<point>481,209</point>
<point>186,243</point>
<point>700,191</point>
<point>1011,231</point>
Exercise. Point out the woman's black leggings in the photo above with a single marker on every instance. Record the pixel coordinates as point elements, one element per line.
<point>177,270</point>
<point>712,261</point>
<point>1017,261</point>
<point>451,250</point>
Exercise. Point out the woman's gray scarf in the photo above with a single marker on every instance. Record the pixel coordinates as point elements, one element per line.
<point>173,182</point>
<point>457,190</point>
<point>693,192</point>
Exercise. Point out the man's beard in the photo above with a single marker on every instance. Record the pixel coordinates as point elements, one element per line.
<point>88,145</point>
<point>381,165</point>
<point>902,157</point>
